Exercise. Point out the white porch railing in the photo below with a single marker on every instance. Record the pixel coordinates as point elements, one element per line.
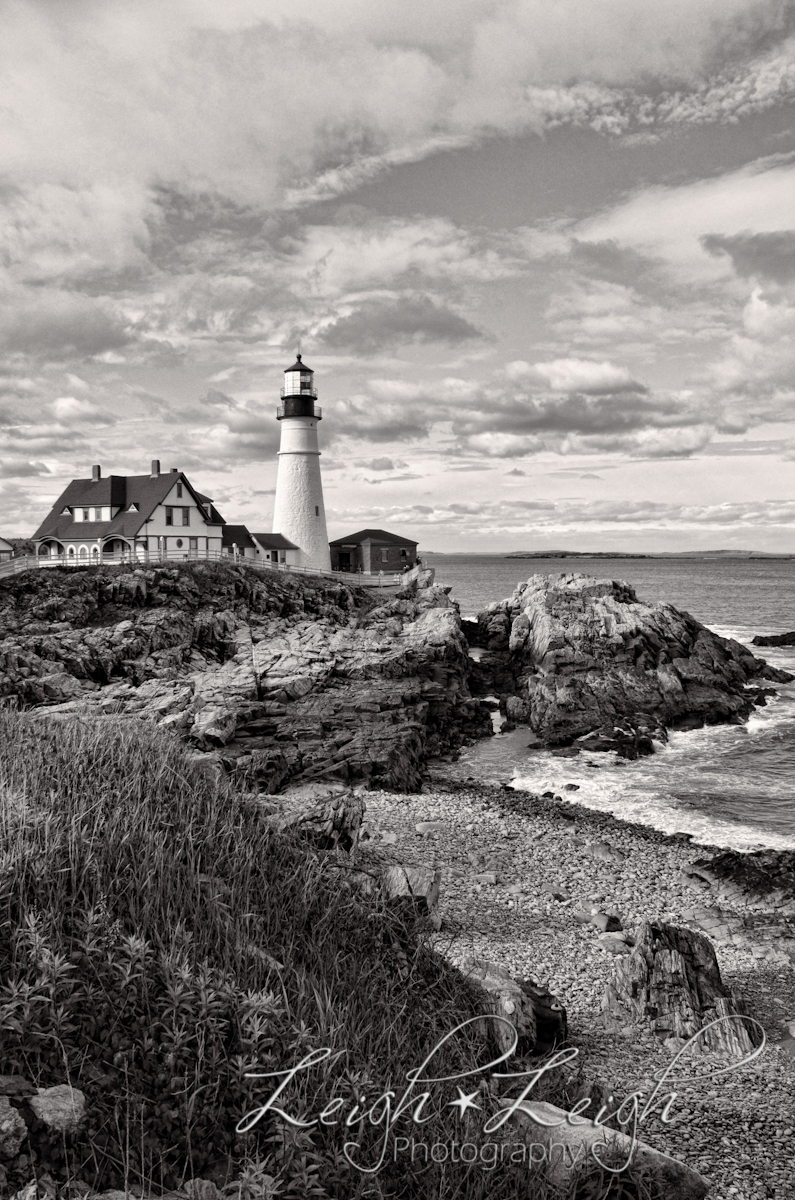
<point>33,562</point>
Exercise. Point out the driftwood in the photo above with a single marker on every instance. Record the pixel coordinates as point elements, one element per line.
<point>671,983</point>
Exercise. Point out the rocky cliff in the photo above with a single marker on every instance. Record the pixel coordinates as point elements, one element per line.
<point>276,677</point>
<point>582,661</point>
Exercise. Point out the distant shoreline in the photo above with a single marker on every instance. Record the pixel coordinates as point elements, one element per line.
<point>711,555</point>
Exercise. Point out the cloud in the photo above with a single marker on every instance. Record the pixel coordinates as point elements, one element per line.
<point>19,468</point>
<point>54,325</point>
<point>392,323</point>
<point>511,516</point>
<point>576,375</point>
<point>68,410</point>
<point>381,464</point>
<point>763,255</point>
<point>671,223</point>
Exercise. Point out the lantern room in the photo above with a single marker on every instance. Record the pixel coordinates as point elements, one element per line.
<point>299,392</point>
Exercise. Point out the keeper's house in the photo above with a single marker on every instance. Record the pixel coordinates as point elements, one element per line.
<point>6,550</point>
<point>371,551</point>
<point>130,516</point>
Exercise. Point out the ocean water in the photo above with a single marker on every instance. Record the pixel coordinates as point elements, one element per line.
<point>730,786</point>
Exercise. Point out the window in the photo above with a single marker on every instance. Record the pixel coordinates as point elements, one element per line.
<point>179,543</point>
<point>179,491</point>
<point>169,516</point>
<point>385,555</point>
<point>194,543</point>
<point>86,512</point>
<point>186,516</point>
<point>97,514</point>
<point>404,552</point>
<point>317,510</point>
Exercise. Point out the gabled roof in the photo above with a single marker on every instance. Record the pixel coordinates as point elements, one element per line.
<point>373,535</point>
<point>146,491</point>
<point>273,541</point>
<point>236,535</point>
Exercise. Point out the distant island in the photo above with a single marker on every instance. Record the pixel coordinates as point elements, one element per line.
<point>662,554</point>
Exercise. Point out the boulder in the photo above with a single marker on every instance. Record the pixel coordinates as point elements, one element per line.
<point>670,983</point>
<point>328,820</point>
<point>590,664</point>
<point>536,1015</point>
<point>579,1142</point>
<point>413,887</point>
<point>13,1129</point>
<point>62,1108</point>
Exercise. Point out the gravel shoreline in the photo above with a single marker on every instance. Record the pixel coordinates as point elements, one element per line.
<point>737,1129</point>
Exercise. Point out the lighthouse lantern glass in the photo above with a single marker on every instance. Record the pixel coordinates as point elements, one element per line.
<point>297,382</point>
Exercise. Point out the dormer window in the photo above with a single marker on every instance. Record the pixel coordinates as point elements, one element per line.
<point>86,512</point>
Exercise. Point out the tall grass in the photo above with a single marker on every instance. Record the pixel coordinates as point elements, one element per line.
<point>158,941</point>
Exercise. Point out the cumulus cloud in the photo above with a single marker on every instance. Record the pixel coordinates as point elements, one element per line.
<point>576,375</point>
<point>381,464</point>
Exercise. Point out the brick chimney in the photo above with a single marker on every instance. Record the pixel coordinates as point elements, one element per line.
<point>155,468</point>
<point>96,473</point>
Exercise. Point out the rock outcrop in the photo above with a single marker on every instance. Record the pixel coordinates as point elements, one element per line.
<point>670,983</point>
<point>773,639</point>
<point>583,661</point>
<point>275,678</point>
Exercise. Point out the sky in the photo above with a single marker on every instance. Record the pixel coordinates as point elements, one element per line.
<point>540,256</point>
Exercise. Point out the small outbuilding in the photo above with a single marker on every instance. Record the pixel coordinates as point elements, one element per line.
<point>6,550</point>
<point>371,551</point>
<point>275,547</point>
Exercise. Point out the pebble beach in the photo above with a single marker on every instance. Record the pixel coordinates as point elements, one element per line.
<point>517,871</point>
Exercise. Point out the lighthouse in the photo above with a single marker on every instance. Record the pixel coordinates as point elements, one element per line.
<point>298,512</point>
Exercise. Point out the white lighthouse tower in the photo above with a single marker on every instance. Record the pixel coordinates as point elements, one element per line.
<point>298,512</point>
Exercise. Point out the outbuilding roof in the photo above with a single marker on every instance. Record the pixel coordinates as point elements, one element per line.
<point>237,535</point>
<point>373,535</point>
<point>274,541</point>
<point>4,545</point>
